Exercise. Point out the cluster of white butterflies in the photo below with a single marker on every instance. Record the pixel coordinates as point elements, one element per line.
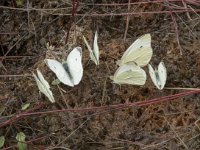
<point>136,56</point>
<point>70,72</point>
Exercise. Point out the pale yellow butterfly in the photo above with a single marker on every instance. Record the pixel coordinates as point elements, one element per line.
<point>140,52</point>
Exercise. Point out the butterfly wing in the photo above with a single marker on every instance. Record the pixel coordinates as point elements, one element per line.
<point>60,72</point>
<point>162,72</point>
<point>39,84</point>
<point>43,86</point>
<point>130,74</point>
<point>94,54</point>
<point>155,78</point>
<point>139,52</point>
<point>96,49</point>
<point>75,65</point>
<point>42,80</point>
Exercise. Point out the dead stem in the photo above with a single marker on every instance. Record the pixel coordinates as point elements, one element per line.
<point>14,75</point>
<point>127,21</point>
<point>180,88</point>
<point>107,108</point>
<point>185,6</point>
<point>196,124</point>
<point>111,14</point>
<point>125,14</point>
<point>176,30</point>
<point>80,126</point>
<point>183,143</point>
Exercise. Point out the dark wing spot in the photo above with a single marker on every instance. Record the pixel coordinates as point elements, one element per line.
<point>141,46</point>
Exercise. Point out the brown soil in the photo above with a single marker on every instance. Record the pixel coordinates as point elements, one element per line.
<point>23,38</point>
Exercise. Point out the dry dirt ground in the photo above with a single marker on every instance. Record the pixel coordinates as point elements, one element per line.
<point>24,34</point>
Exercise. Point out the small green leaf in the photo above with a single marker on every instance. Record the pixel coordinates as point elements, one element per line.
<point>25,106</point>
<point>2,141</point>
<point>19,2</point>
<point>20,137</point>
<point>21,141</point>
<point>55,82</point>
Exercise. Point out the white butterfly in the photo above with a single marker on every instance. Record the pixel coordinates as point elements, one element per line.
<point>71,71</point>
<point>158,76</point>
<point>135,57</point>
<point>94,53</point>
<point>129,74</point>
<point>139,52</point>
<point>43,85</point>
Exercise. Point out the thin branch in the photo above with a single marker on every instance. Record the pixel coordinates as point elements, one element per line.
<point>15,75</point>
<point>186,147</point>
<point>125,14</point>
<point>176,29</point>
<point>107,108</point>
<point>74,131</point>
<point>127,21</point>
<point>106,14</point>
